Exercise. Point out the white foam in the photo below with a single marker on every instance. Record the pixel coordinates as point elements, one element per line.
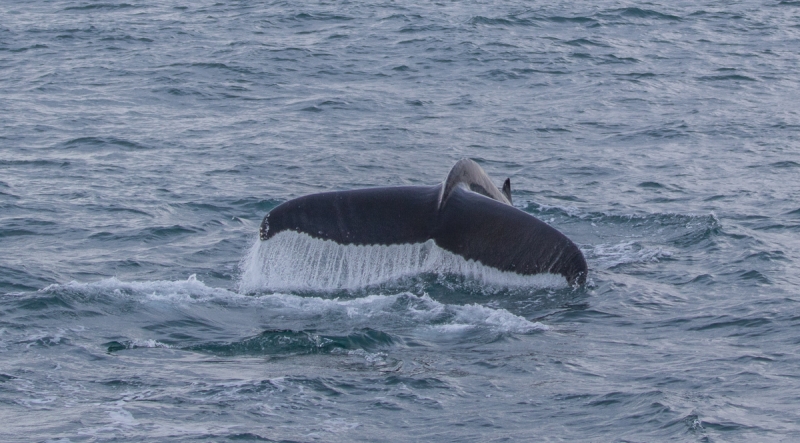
<point>122,417</point>
<point>297,261</point>
<point>339,425</point>
<point>189,290</point>
<point>371,311</point>
<point>383,309</point>
<point>148,343</point>
<point>402,309</point>
<point>496,319</point>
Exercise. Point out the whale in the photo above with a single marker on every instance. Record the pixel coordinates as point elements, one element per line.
<point>466,214</point>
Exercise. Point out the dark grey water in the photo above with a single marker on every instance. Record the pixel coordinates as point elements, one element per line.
<point>142,143</point>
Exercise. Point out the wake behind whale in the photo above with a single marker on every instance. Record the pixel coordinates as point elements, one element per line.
<point>464,226</point>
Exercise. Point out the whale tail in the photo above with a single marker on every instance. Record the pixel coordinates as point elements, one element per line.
<point>466,215</point>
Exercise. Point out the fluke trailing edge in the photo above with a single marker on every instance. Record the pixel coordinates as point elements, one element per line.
<point>466,215</point>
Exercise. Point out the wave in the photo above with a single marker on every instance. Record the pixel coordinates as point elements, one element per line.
<point>292,342</point>
<point>96,6</point>
<point>609,256</point>
<point>662,219</point>
<point>669,228</point>
<point>190,315</point>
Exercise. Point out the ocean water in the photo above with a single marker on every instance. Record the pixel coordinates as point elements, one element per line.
<point>141,144</point>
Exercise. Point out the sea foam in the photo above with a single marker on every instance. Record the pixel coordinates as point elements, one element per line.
<point>285,310</point>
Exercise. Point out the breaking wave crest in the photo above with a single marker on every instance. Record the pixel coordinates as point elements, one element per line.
<point>296,261</point>
<point>189,315</point>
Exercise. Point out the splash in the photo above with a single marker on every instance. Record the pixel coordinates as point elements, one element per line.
<point>202,307</point>
<point>297,261</point>
<point>189,290</point>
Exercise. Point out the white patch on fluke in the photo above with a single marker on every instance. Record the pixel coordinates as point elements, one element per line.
<point>297,261</point>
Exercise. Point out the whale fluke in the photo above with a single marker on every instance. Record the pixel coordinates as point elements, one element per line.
<point>466,215</point>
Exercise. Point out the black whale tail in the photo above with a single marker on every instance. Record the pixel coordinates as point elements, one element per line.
<point>466,215</point>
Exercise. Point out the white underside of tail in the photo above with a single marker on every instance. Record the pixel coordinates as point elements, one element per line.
<point>296,261</point>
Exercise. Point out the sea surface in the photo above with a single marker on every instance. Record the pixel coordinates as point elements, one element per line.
<point>142,143</point>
